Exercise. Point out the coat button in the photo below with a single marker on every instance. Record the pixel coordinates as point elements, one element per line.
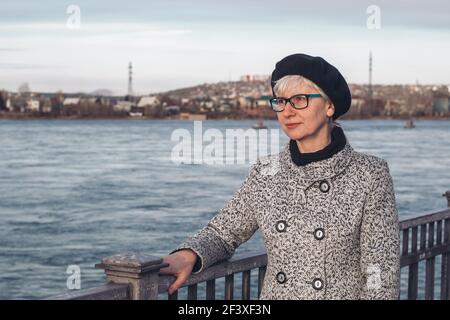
<point>281,226</point>
<point>324,186</point>
<point>319,233</point>
<point>317,284</point>
<point>281,277</point>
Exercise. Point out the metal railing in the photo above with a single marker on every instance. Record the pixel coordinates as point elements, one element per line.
<point>136,276</point>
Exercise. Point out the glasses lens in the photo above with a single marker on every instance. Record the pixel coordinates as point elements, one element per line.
<point>300,101</point>
<point>277,104</point>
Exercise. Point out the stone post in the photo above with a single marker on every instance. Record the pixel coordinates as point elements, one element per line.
<point>138,270</point>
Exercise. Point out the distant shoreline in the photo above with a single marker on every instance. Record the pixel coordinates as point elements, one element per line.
<point>32,118</point>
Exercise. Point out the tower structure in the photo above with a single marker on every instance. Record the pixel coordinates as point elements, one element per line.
<point>130,79</point>
<point>370,90</point>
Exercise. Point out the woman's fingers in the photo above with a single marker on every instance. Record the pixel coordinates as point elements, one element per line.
<point>179,269</point>
<point>180,265</point>
<point>181,278</point>
<point>169,269</point>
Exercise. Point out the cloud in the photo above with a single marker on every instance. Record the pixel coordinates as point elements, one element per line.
<point>174,43</point>
<point>99,28</point>
<point>24,66</point>
<point>11,49</point>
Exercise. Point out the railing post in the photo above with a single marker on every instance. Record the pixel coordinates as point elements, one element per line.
<point>139,271</point>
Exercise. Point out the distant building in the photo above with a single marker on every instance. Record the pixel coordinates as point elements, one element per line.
<point>148,101</point>
<point>18,104</point>
<point>262,101</point>
<point>136,111</point>
<point>244,102</point>
<point>377,108</point>
<point>136,114</point>
<point>356,106</point>
<point>254,77</point>
<point>395,107</point>
<point>125,106</point>
<point>32,105</point>
<point>71,101</point>
<point>190,116</point>
<point>225,107</point>
<point>96,100</point>
<point>46,109</point>
<point>440,104</point>
<point>208,104</point>
<point>171,110</point>
<point>45,105</point>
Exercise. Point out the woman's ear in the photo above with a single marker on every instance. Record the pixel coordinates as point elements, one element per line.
<point>330,109</point>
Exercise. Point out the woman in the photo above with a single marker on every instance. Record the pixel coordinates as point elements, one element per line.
<point>327,213</point>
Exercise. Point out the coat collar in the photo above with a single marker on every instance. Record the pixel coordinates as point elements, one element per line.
<point>318,170</point>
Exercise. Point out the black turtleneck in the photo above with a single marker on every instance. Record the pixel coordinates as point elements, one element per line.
<point>337,143</point>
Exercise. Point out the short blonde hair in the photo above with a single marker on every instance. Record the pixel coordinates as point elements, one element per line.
<point>295,81</point>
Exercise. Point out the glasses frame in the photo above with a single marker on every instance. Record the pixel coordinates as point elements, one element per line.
<point>307,95</point>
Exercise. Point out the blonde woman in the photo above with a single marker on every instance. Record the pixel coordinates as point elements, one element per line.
<point>327,213</point>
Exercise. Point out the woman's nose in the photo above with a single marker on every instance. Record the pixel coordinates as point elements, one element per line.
<point>288,109</point>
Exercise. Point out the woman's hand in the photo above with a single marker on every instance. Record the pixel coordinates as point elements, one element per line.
<point>181,264</point>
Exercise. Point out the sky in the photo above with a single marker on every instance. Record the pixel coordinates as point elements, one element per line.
<point>181,43</point>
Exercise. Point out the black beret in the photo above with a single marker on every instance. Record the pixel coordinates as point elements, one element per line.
<point>319,71</point>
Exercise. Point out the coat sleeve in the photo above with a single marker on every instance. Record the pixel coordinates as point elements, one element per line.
<point>233,225</point>
<point>380,239</point>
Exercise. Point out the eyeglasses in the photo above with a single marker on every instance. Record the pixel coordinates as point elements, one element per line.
<point>299,101</point>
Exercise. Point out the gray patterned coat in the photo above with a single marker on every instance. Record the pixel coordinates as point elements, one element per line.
<point>330,227</point>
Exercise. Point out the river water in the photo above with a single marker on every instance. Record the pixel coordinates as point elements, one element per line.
<point>73,192</point>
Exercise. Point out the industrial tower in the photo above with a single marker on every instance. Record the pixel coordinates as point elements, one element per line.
<point>130,79</point>
<point>370,91</point>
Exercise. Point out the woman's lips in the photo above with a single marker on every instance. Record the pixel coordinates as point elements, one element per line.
<point>292,125</point>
